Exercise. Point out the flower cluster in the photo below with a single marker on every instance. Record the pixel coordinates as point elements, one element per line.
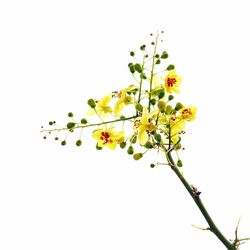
<point>156,120</point>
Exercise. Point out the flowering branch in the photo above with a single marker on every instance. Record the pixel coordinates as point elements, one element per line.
<point>157,122</point>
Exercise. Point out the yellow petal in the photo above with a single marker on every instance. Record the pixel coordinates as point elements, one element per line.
<point>142,135</point>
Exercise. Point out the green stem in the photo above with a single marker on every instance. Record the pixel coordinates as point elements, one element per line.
<point>212,227</point>
<point>141,80</point>
<point>90,125</point>
<point>152,73</point>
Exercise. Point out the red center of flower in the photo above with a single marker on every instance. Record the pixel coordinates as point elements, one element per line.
<point>171,82</point>
<point>187,111</point>
<point>106,138</point>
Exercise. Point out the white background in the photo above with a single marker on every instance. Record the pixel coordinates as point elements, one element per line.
<point>54,55</point>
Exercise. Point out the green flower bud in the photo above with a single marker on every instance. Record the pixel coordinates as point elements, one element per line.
<point>157,56</point>
<point>152,165</point>
<point>178,146</point>
<point>158,61</point>
<point>170,97</point>
<point>130,150</point>
<point>161,94</point>
<point>148,145</point>
<point>157,137</point>
<point>132,69</point>
<point>179,163</point>
<point>137,156</point>
<point>56,138</point>
<point>170,67</point>
<point>71,125</point>
<point>138,68</point>
<point>78,143</point>
<point>84,121</point>
<point>164,55</point>
<point>161,106</point>
<point>139,107</point>
<point>97,147</point>
<point>169,109</point>
<point>133,139</point>
<point>123,145</point>
<point>51,123</point>
<point>91,103</point>
<point>122,117</point>
<point>70,114</point>
<point>63,143</point>
<point>153,101</point>
<point>178,106</point>
<point>132,53</point>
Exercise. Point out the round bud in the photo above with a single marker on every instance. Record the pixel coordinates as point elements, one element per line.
<point>137,156</point>
<point>170,97</point>
<point>78,143</point>
<point>170,67</point>
<point>70,114</point>
<point>178,106</point>
<point>138,68</point>
<point>164,55</point>
<point>158,61</point>
<point>63,143</point>
<point>148,145</point>
<point>56,138</point>
<point>152,165</point>
<point>122,117</point>
<point>139,107</point>
<point>153,101</point>
<point>179,163</point>
<point>84,121</point>
<point>130,150</point>
<point>157,56</point>
<point>178,146</point>
<point>161,106</point>
<point>51,123</point>
<point>132,69</point>
<point>133,139</point>
<point>157,137</point>
<point>44,137</point>
<point>71,125</point>
<point>132,53</point>
<point>123,145</point>
<point>161,94</point>
<point>169,109</point>
<point>91,103</point>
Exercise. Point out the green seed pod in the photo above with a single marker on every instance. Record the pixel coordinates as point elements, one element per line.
<point>70,114</point>
<point>78,143</point>
<point>170,97</point>
<point>161,94</point>
<point>153,101</point>
<point>178,106</point>
<point>130,150</point>
<point>133,139</point>
<point>170,67</point>
<point>178,146</point>
<point>137,156</point>
<point>148,145</point>
<point>84,121</point>
<point>169,109</point>
<point>91,103</point>
<point>161,106</point>
<point>139,107</point>
<point>63,143</point>
<point>157,137</point>
<point>123,145</point>
<point>71,125</point>
<point>152,165</point>
<point>179,163</point>
<point>97,147</point>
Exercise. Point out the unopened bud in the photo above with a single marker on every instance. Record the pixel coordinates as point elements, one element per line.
<point>161,106</point>
<point>179,163</point>
<point>168,109</point>
<point>91,103</point>
<point>178,106</point>
<point>137,156</point>
<point>130,150</point>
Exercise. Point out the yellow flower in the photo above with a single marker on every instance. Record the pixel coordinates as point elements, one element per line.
<point>102,107</point>
<point>108,137</point>
<point>188,113</point>
<point>124,100</point>
<point>144,126</point>
<point>177,126</point>
<point>172,82</point>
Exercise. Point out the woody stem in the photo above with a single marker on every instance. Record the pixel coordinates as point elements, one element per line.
<point>196,198</point>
